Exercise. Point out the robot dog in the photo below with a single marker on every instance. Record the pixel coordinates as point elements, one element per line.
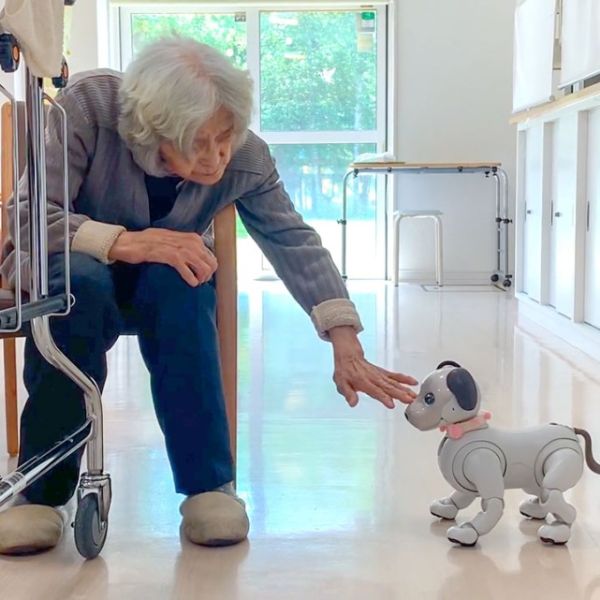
<point>479,461</point>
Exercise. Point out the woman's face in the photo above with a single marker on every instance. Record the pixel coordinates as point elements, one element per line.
<point>211,151</point>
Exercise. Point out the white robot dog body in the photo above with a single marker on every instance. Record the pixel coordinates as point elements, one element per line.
<point>480,461</point>
<point>521,455</point>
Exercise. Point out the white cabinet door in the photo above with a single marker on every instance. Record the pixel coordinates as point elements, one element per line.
<point>592,244</point>
<point>532,197</point>
<point>562,215</point>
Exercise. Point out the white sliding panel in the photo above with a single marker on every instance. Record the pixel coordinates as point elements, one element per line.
<point>532,195</point>
<point>592,249</point>
<point>562,214</point>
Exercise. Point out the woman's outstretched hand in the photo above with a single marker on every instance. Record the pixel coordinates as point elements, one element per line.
<point>354,374</point>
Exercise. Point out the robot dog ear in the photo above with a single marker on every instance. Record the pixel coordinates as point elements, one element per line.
<point>448,363</point>
<point>461,383</point>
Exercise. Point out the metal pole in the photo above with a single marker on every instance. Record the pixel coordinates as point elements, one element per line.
<point>66,204</point>
<point>38,218</point>
<point>36,172</point>
<point>498,222</point>
<point>343,221</point>
<point>503,177</point>
<point>33,469</point>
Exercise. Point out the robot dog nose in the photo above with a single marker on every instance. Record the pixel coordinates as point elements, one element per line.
<point>406,416</point>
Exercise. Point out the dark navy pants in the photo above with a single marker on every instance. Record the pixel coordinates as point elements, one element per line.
<point>176,327</point>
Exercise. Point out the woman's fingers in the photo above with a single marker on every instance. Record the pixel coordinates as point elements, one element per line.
<point>195,251</point>
<point>185,252</point>
<point>349,394</point>
<point>197,264</point>
<point>373,381</point>
<point>359,375</point>
<point>168,255</point>
<point>400,377</point>
<point>375,391</point>
<point>405,395</point>
<point>209,258</point>
<point>394,388</point>
<point>391,383</point>
<point>186,273</point>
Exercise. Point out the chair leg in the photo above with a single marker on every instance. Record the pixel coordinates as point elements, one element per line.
<point>227,296</point>
<point>10,395</point>
<point>439,259</point>
<point>396,257</point>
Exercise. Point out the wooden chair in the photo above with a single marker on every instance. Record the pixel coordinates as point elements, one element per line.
<point>6,295</point>
<point>226,285</point>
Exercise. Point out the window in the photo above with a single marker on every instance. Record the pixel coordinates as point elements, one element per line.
<point>320,102</point>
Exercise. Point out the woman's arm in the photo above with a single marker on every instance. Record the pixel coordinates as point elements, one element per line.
<point>296,253</point>
<point>307,269</point>
<point>85,235</point>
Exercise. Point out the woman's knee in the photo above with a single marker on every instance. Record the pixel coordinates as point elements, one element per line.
<point>91,281</point>
<point>163,286</point>
<point>95,321</point>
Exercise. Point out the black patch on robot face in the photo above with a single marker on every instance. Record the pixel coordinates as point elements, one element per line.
<point>461,383</point>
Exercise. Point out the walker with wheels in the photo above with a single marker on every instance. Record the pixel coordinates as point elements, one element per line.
<point>94,491</point>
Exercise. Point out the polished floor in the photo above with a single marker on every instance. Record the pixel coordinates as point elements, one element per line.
<point>338,498</point>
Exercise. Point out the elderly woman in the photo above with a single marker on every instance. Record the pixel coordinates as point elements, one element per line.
<point>154,154</point>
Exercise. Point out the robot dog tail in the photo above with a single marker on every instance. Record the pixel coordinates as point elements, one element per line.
<point>589,457</point>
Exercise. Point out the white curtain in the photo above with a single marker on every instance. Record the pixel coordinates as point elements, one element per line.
<point>533,53</point>
<point>580,40</point>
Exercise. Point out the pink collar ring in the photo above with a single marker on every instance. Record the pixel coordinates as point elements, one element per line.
<point>455,431</point>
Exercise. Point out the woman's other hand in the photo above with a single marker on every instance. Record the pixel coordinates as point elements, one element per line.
<point>185,252</point>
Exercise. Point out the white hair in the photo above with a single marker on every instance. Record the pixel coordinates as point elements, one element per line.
<point>170,90</point>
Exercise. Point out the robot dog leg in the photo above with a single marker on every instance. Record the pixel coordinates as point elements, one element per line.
<point>447,508</point>
<point>484,470</point>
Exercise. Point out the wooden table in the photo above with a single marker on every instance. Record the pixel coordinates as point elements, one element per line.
<point>488,169</point>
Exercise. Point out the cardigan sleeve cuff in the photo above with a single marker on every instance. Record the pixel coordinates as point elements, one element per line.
<point>96,239</point>
<point>335,313</point>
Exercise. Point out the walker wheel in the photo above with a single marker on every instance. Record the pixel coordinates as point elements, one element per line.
<point>90,531</point>
<point>495,277</point>
<point>62,80</point>
<point>10,53</point>
<point>507,283</point>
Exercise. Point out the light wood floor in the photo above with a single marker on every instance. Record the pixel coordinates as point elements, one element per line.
<point>338,498</point>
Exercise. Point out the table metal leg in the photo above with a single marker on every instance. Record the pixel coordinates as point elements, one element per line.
<point>496,275</point>
<point>344,221</point>
<point>502,276</point>
<point>506,221</point>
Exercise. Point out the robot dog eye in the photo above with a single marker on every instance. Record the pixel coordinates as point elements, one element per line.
<point>429,399</point>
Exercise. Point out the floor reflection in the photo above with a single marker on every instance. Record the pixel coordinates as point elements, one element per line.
<point>338,498</point>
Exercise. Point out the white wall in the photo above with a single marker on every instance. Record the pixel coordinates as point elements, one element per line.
<point>89,35</point>
<point>453,68</point>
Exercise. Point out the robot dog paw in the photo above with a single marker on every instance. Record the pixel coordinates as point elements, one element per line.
<point>465,535</point>
<point>555,533</point>
<point>444,509</point>
<point>532,509</point>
